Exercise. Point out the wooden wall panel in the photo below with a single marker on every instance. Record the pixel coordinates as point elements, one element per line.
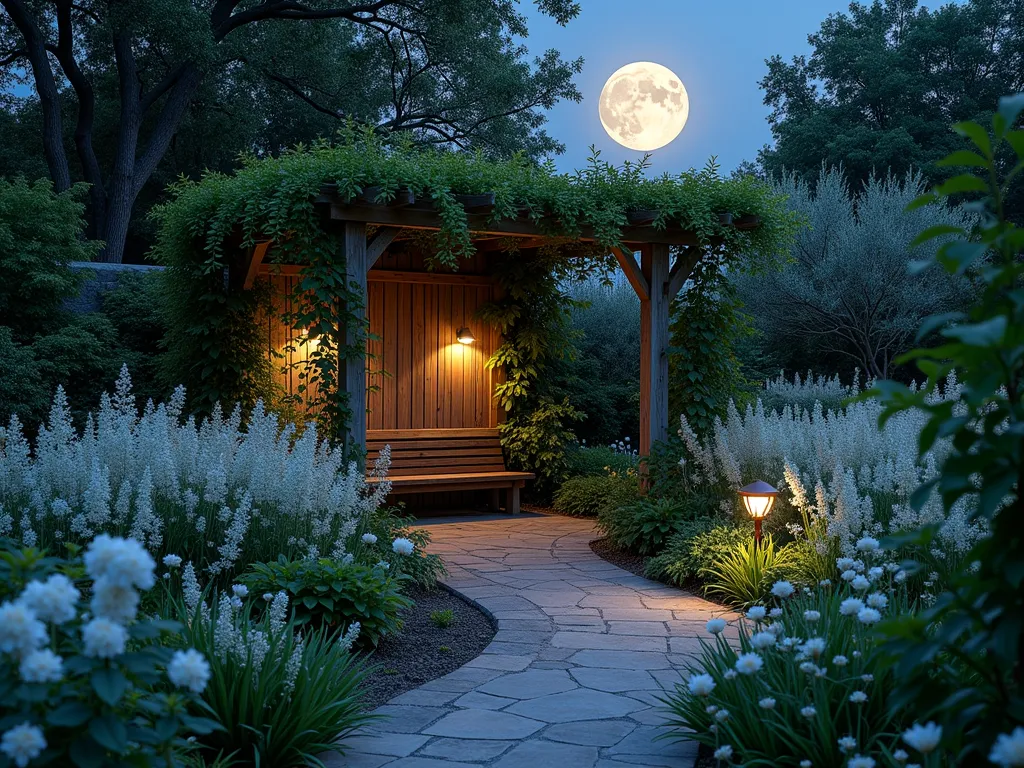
<point>287,353</point>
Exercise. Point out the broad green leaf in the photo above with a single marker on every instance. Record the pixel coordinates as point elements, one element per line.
<point>965,182</point>
<point>937,231</point>
<point>1010,108</point>
<point>110,685</point>
<point>977,134</point>
<point>109,731</point>
<point>964,157</point>
<point>70,714</point>
<point>984,334</point>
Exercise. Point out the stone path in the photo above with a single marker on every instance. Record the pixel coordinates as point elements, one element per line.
<point>572,677</point>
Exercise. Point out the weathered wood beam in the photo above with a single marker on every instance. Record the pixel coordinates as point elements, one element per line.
<point>376,247</point>
<point>641,218</point>
<point>681,270</point>
<point>353,372</point>
<point>402,198</point>
<point>259,252</point>
<point>478,203</point>
<point>654,317</point>
<point>633,273</point>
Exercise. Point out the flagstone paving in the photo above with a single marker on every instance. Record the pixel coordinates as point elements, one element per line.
<point>573,675</point>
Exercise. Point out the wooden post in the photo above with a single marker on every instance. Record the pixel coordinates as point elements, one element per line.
<point>352,373</point>
<point>654,263</point>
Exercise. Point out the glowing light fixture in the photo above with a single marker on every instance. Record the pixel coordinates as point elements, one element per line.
<point>758,498</point>
<point>465,336</point>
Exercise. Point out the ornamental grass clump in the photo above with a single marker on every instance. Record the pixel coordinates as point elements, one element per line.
<point>214,491</point>
<point>806,683</point>
<point>87,683</point>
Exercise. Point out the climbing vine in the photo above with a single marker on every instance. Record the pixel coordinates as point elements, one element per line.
<point>217,349</point>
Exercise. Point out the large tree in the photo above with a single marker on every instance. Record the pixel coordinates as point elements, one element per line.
<point>884,83</point>
<point>255,76</point>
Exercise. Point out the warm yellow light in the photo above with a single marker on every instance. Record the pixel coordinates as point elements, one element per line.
<point>465,336</point>
<point>758,498</point>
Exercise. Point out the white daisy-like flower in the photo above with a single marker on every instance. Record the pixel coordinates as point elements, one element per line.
<point>851,606</point>
<point>763,640</point>
<point>783,589</point>
<point>402,546</point>
<point>809,667</point>
<point>53,600</point>
<point>924,738</point>
<point>840,660</point>
<point>812,617</point>
<point>858,697</point>
<point>1008,749</point>
<point>813,647</point>
<point>858,761</point>
<point>775,613</point>
<point>877,600</point>
<point>808,711</point>
<point>20,631</point>
<point>42,666</point>
<point>848,575</point>
<point>844,563</point>
<point>867,544</point>
<point>715,626</point>
<point>104,639</point>
<point>860,584</point>
<point>701,685</point>
<point>766,703</point>
<point>23,743</point>
<point>730,674</point>
<point>869,616</point>
<point>749,663</point>
<point>875,574</point>
<point>369,538</point>
<point>722,715</point>
<point>757,613</point>
<point>847,744</point>
<point>172,561</point>
<point>240,590</point>
<point>775,629</point>
<point>724,752</point>
<point>189,669</point>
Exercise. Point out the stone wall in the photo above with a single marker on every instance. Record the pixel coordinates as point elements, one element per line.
<point>104,278</point>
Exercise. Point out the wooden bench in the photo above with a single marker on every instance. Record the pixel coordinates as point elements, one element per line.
<point>438,460</point>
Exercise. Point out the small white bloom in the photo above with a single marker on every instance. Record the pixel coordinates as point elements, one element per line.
<point>715,626</point>
<point>847,744</point>
<point>848,575</point>
<point>858,697</point>
<point>23,743</point>
<point>878,600</point>
<point>851,606</point>
<point>20,630</point>
<point>236,603</point>
<point>766,703</point>
<point>42,666</point>
<point>900,576</point>
<point>808,712</point>
<point>402,546</point>
<point>840,661</point>
<point>123,561</point>
<point>701,685</point>
<point>924,738</point>
<point>806,764</point>
<point>723,753</point>
<point>189,669</point>
<point>901,755</point>
<point>844,563</point>
<point>763,640</point>
<point>1008,749</point>
<point>369,538</point>
<point>825,583</point>
<point>783,589</point>
<point>875,574</point>
<point>114,600</point>
<point>749,663</point>
<point>240,590</point>
<point>172,561</point>
<point>856,654</point>
<point>757,613</point>
<point>775,613</point>
<point>814,647</point>
<point>809,667</point>
<point>857,761</point>
<point>711,709</point>
<point>868,616</point>
<point>860,584</point>
<point>867,544</point>
<point>722,715</point>
<point>52,600</point>
<point>384,565</point>
<point>104,639</point>
<point>869,678</point>
<point>812,617</point>
<point>268,596</point>
<point>776,629</point>
<point>730,674</point>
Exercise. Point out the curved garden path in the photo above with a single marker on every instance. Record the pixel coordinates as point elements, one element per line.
<point>570,680</point>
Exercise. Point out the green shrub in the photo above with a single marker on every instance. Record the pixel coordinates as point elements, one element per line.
<point>699,544</point>
<point>599,460</point>
<point>22,389</point>
<point>281,697</point>
<point>643,526</point>
<point>134,309</point>
<point>744,575</point>
<point>387,524</point>
<point>332,595</point>
<point>442,619</point>
<point>586,496</point>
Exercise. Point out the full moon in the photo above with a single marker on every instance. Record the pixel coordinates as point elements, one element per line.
<point>644,106</point>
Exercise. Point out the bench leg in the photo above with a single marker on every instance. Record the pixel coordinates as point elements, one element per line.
<point>495,500</point>
<point>513,499</point>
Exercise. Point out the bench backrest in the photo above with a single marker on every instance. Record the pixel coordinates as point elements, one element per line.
<point>437,451</point>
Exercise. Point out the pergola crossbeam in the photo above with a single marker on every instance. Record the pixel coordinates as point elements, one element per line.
<point>259,252</point>
<point>376,247</point>
<point>681,270</point>
<point>634,275</point>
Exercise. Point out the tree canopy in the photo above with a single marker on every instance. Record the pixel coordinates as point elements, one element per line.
<point>129,92</point>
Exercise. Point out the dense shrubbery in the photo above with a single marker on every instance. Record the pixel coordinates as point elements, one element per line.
<point>588,495</point>
<point>642,526</point>
<point>600,460</point>
<point>699,544</point>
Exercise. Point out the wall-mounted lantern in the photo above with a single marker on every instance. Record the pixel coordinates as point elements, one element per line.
<point>465,336</point>
<point>758,498</point>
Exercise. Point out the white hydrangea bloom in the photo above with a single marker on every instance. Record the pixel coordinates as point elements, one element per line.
<point>41,666</point>
<point>53,600</point>
<point>1008,749</point>
<point>103,639</point>
<point>23,743</point>
<point>114,601</point>
<point>402,546</point>
<point>189,669</point>
<point>20,631</point>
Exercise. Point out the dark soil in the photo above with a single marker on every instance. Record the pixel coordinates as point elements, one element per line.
<point>705,757</point>
<point>627,561</point>
<point>423,651</point>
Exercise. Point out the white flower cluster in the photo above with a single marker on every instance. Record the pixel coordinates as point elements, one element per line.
<point>171,481</point>
<point>836,463</point>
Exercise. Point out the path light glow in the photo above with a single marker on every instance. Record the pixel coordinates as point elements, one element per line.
<point>758,498</point>
<point>644,106</point>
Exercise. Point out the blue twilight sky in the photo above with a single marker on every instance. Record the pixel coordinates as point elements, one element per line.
<point>716,47</point>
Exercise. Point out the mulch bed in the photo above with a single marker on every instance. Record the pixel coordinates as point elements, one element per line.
<point>423,651</point>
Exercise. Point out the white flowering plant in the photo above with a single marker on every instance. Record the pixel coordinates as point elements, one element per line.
<point>282,692</point>
<point>216,492</point>
<point>805,679</point>
<point>374,541</point>
<point>89,683</point>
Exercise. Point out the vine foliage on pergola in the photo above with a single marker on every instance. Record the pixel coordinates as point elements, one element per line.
<point>206,229</point>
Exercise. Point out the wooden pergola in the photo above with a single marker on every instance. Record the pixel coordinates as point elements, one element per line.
<point>656,260</point>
